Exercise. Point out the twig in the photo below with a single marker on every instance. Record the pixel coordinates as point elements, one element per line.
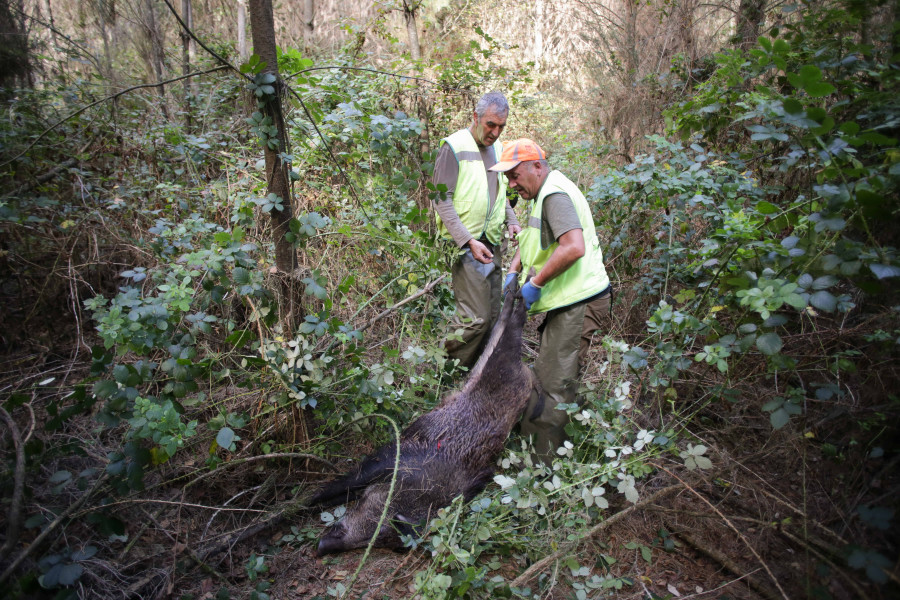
<point>102,100</point>
<point>388,311</point>
<point>860,593</point>
<point>594,531</point>
<point>727,563</point>
<point>44,177</point>
<point>14,518</point>
<point>732,527</point>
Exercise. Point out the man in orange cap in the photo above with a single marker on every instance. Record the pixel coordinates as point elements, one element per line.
<point>560,249</point>
<point>471,211</point>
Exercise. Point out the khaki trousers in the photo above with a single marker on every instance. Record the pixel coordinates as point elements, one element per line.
<point>565,340</point>
<point>477,304</point>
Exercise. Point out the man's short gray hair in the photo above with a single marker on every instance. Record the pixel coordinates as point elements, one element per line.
<point>494,100</point>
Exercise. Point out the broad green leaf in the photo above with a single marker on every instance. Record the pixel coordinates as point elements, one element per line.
<point>810,74</point>
<point>819,89</point>
<point>882,271</point>
<point>779,418</point>
<point>225,437</point>
<point>105,388</point>
<point>773,404</point>
<point>241,275</point>
<point>60,476</point>
<point>70,573</point>
<point>766,208</point>
<point>823,301</point>
<point>769,343</point>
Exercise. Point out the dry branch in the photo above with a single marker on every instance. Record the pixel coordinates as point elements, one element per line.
<point>725,562</point>
<point>596,530</point>
<point>733,528</point>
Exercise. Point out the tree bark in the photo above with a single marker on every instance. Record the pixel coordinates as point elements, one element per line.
<point>157,53</point>
<point>262,29</point>
<point>309,17</point>
<point>187,55</point>
<point>15,59</point>
<point>538,50</point>
<point>242,31</point>
<point>412,29</point>
<point>750,14</point>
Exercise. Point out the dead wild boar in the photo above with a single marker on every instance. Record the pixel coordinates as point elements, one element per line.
<point>449,451</point>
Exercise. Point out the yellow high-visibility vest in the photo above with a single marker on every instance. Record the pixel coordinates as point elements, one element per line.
<point>471,198</point>
<point>587,276</point>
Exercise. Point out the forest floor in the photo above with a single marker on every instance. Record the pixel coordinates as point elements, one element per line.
<point>766,522</point>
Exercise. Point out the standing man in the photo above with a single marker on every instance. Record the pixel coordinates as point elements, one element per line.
<point>560,247</point>
<point>472,213</point>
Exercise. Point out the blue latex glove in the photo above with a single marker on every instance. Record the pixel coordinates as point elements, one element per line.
<point>510,277</point>
<point>531,294</point>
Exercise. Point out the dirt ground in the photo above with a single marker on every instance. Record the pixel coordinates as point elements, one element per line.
<point>774,519</point>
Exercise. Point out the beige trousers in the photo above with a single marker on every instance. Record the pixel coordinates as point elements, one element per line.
<point>565,340</point>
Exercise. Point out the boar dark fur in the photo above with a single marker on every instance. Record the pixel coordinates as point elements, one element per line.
<point>447,452</point>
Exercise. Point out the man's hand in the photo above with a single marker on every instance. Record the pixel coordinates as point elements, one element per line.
<point>531,294</point>
<point>514,230</point>
<point>480,252</point>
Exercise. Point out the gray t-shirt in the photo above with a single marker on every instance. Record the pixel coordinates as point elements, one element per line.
<point>446,171</point>
<point>557,217</point>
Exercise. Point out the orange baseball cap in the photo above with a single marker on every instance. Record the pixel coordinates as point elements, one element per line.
<point>518,151</point>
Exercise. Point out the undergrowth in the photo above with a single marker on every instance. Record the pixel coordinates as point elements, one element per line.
<point>752,246</point>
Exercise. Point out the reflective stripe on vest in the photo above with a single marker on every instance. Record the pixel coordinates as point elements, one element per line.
<point>471,198</point>
<point>587,276</point>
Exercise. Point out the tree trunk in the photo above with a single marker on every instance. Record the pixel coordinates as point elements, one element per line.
<point>187,55</point>
<point>309,17</point>
<point>157,54</point>
<point>412,29</point>
<point>15,61</point>
<point>242,31</point>
<point>750,14</point>
<point>538,50</point>
<point>262,28</point>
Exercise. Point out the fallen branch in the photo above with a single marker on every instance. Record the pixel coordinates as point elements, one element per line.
<point>595,530</point>
<point>733,528</point>
<point>388,311</point>
<point>725,562</point>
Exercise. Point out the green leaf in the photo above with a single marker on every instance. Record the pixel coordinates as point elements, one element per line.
<point>884,271</point>
<point>766,208</point>
<point>105,388</point>
<point>60,476</point>
<point>823,300</point>
<point>779,418</point>
<point>792,106</point>
<point>70,573</point>
<point>239,337</point>
<point>819,89</point>
<point>241,275</point>
<point>773,404</point>
<point>225,437</point>
<point>769,343</point>
<point>810,74</point>
<point>795,300</point>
